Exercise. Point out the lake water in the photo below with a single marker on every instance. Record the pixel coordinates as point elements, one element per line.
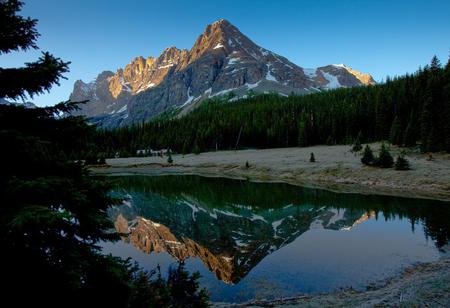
<point>258,240</point>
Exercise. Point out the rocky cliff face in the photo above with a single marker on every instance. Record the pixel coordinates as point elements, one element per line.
<point>222,60</point>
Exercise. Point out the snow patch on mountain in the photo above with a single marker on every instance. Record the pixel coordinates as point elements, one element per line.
<point>122,109</point>
<point>223,92</point>
<point>257,217</point>
<point>235,70</point>
<point>269,75</point>
<point>166,66</point>
<point>264,52</point>
<point>310,72</point>
<point>145,87</point>
<point>337,215</point>
<point>333,82</point>
<point>208,92</point>
<point>276,224</point>
<point>189,99</point>
<point>233,61</point>
<point>252,85</point>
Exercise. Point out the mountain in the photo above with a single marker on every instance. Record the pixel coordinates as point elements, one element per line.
<point>222,60</point>
<point>25,104</point>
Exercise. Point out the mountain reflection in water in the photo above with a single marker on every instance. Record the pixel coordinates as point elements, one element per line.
<point>233,225</point>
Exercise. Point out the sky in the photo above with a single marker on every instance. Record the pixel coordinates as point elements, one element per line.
<point>380,37</point>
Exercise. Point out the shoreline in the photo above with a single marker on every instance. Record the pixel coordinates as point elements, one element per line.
<point>338,170</point>
<point>335,169</point>
<point>421,285</point>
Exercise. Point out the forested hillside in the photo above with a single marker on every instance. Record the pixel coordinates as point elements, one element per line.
<point>409,110</point>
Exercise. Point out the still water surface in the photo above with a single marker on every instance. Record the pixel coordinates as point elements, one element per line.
<point>255,240</point>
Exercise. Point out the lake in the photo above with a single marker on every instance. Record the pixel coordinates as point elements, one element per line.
<point>264,240</point>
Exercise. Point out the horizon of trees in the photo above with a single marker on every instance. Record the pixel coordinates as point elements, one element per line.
<point>411,110</point>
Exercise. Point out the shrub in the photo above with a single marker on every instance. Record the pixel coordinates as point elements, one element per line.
<point>247,165</point>
<point>101,159</point>
<point>367,158</point>
<point>169,158</point>
<point>384,159</point>
<point>401,163</point>
<point>312,159</point>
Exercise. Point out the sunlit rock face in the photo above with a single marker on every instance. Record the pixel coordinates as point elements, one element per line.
<point>222,60</point>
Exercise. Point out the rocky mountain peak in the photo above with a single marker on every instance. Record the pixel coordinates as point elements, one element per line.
<point>222,60</point>
<point>364,78</point>
<point>218,27</point>
<point>104,76</point>
<point>220,37</point>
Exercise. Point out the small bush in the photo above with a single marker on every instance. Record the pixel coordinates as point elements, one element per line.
<point>247,165</point>
<point>101,160</point>
<point>312,159</point>
<point>169,158</point>
<point>401,163</point>
<point>384,159</point>
<point>367,158</point>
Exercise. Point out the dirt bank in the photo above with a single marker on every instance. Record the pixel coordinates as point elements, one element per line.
<point>424,285</point>
<point>336,168</point>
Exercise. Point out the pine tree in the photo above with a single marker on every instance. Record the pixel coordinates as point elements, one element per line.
<point>446,109</point>
<point>19,33</point>
<point>395,132</point>
<point>367,158</point>
<point>435,64</point>
<point>312,159</point>
<point>196,150</point>
<point>302,133</point>
<point>409,138</point>
<point>357,145</point>
<point>185,288</point>
<point>169,158</point>
<point>401,163</point>
<point>384,159</point>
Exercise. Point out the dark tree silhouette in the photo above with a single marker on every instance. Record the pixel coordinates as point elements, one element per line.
<point>52,212</point>
<point>401,163</point>
<point>384,159</point>
<point>19,33</point>
<point>367,158</point>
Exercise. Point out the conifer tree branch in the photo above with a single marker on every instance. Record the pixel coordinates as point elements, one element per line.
<point>16,32</point>
<point>35,78</point>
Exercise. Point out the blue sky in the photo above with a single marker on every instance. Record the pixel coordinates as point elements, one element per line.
<point>379,37</point>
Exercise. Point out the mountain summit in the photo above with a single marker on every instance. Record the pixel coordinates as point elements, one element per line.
<point>222,60</point>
